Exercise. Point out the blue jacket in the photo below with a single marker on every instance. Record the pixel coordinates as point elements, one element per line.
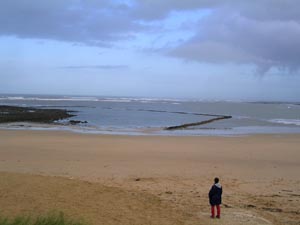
<point>215,194</point>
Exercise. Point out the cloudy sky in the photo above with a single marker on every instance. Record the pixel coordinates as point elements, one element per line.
<point>200,49</point>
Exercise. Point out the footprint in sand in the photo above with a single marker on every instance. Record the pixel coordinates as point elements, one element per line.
<point>237,218</point>
<point>246,218</point>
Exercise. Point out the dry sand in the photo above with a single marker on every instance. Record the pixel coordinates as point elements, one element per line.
<point>150,180</point>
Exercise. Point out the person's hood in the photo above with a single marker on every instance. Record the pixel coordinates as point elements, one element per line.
<point>218,185</point>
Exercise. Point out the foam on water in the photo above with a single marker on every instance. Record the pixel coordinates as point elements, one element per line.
<point>48,99</point>
<point>90,99</point>
<point>286,121</point>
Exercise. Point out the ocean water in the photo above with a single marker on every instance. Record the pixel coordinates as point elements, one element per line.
<point>149,116</point>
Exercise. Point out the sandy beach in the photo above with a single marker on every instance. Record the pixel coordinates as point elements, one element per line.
<point>150,179</point>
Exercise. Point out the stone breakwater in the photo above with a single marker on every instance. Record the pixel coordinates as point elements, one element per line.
<point>186,125</point>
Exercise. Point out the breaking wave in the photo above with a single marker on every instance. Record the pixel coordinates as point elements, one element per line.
<point>286,121</point>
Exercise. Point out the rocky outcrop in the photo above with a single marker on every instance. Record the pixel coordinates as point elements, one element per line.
<point>75,122</point>
<point>30,114</point>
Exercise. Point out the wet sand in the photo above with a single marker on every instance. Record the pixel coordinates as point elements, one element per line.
<point>259,173</point>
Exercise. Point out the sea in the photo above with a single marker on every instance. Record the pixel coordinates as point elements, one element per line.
<point>151,116</point>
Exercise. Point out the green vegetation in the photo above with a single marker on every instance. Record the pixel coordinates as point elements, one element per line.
<point>51,219</point>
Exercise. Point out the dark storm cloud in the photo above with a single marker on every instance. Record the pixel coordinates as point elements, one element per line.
<point>259,9</point>
<point>90,21</point>
<point>242,40</point>
<point>158,9</point>
<point>264,33</point>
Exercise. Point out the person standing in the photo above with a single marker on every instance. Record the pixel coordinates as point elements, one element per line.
<point>215,198</point>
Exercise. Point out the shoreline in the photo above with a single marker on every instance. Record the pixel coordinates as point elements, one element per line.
<point>200,132</point>
<point>151,132</point>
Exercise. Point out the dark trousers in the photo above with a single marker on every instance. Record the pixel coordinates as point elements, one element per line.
<point>213,210</point>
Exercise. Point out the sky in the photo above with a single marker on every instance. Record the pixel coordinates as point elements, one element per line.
<point>196,49</point>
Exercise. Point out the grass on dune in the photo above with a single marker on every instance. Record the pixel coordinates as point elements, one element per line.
<point>51,219</point>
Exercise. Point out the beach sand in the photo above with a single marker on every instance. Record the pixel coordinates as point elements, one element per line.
<point>150,179</point>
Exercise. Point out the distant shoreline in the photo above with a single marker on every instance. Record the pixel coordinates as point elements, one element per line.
<point>64,97</point>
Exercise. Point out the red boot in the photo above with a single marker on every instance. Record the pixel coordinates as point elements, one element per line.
<point>218,211</point>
